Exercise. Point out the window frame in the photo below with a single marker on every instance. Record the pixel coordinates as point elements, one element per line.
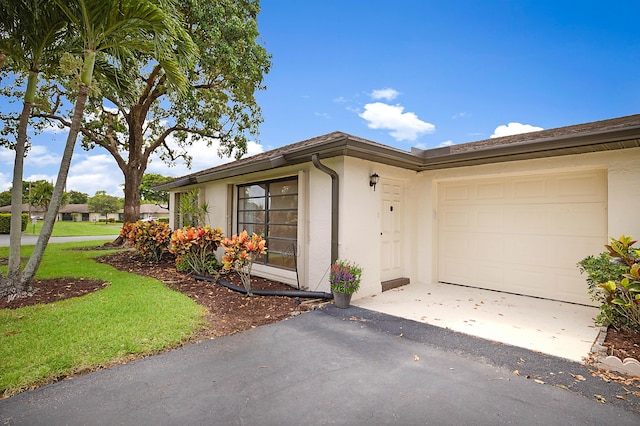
<point>267,210</point>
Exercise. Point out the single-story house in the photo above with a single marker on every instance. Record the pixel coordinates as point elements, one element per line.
<point>512,214</point>
<point>33,211</point>
<point>82,213</point>
<point>152,211</point>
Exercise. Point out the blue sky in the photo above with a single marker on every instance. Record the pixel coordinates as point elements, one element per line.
<point>414,73</point>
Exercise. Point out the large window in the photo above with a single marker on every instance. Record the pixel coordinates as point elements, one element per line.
<point>270,209</point>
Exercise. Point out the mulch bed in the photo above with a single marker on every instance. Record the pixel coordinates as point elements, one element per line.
<point>228,311</point>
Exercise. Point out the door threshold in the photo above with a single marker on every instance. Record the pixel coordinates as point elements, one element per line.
<point>395,283</point>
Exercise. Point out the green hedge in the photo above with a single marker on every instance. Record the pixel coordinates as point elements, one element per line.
<point>5,222</point>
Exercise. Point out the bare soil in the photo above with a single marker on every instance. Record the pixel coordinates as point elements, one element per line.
<point>228,311</point>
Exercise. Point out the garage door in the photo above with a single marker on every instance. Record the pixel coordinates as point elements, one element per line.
<point>522,234</point>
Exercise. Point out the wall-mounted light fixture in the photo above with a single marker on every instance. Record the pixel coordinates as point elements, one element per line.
<point>373,180</point>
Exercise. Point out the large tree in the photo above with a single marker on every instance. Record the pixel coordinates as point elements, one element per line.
<point>220,105</point>
<point>108,33</point>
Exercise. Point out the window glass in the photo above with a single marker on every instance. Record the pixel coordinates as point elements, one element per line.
<point>270,209</point>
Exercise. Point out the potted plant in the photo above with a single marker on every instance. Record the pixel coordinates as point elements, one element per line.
<point>345,280</point>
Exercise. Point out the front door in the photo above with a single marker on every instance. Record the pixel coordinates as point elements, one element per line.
<point>391,229</point>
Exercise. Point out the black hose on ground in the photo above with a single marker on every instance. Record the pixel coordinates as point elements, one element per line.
<point>257,292</point>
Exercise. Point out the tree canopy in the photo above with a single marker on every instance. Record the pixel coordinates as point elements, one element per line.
<point>104,203</point>
<point>218,105</point>
<point>77,197</point>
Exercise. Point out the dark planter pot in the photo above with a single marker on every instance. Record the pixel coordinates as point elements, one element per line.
<point>341,300</point>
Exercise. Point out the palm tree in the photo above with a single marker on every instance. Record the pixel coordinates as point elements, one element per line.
<point>118,30</point>
<point>31,33</point>
<point>110,31</point>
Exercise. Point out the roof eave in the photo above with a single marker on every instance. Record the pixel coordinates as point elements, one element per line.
<point>539,148</point>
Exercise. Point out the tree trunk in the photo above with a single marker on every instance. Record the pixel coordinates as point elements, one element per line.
<point>11,283</point>
<point>56,199</point>
<point>132,179</point>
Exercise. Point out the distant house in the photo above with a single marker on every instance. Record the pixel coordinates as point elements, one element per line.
<point>33,211</point>
<point>152,211</point>
<point>510,214</point>
<point>81,212</point>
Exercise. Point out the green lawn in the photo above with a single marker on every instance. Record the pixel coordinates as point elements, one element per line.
<point>74,229</point>
<point>133,315</point>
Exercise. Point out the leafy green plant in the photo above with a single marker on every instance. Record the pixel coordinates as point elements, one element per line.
<point>192,212</point>
<point>614,281</point>
<point>600,270</point>
<point>240,252</point>
<point>150,239</point>
<point>345,277</point>
<point>195,249</point>
<point>5,222</point>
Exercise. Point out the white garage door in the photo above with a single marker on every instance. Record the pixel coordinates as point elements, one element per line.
<point>522,234</point>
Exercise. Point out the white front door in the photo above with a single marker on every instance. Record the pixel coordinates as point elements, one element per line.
<point>391,229</point>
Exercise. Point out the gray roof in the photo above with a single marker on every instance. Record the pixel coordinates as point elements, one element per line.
<point>612,134</point>
<point>74,208</point>
<point>25,209</point>
<point>152,208</point>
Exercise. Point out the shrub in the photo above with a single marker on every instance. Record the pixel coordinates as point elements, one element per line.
<point>195,249</point>
<point>614,281</point>
<point>240,252</point>
<point>150,239</point>
<point>5,222</point>
<point>163,219</point>
<point>600,270</point>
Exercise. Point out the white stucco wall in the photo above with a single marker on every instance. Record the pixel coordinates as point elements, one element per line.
<point>360,210</point>
<point>360,227</point>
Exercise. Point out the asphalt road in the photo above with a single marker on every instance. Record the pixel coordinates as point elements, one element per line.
<point>334,366</point>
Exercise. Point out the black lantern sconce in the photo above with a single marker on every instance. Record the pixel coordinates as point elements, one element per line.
<point>373,180</point>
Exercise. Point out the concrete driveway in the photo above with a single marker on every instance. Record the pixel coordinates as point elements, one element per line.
<point>334,366</point>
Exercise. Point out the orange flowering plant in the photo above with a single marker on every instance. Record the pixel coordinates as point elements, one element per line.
<point>240,252</point>
<point>195,249</point>
<point>150,239</point>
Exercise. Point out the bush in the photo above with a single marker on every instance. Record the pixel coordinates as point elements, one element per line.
<point>195,249</point>
<point>150,239</point>
<point>5,222</point>
<point>614,282</point>
<point>239,253</point>
<point>163,219</point>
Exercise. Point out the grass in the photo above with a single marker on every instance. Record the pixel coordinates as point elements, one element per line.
<point>74,229</point>
<point>132,316</point>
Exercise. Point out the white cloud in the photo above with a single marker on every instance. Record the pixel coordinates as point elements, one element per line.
<point>514,129</point>
<point>387,94</point>
<point>7,157</point>
<point>54,128</point>
<point>460,115</point>
<point>92,172</point>
<point>5,181</point>
<point>40,156</point>
<point>204,157</point>
<point>403,125</point>
<point>446,143</point>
